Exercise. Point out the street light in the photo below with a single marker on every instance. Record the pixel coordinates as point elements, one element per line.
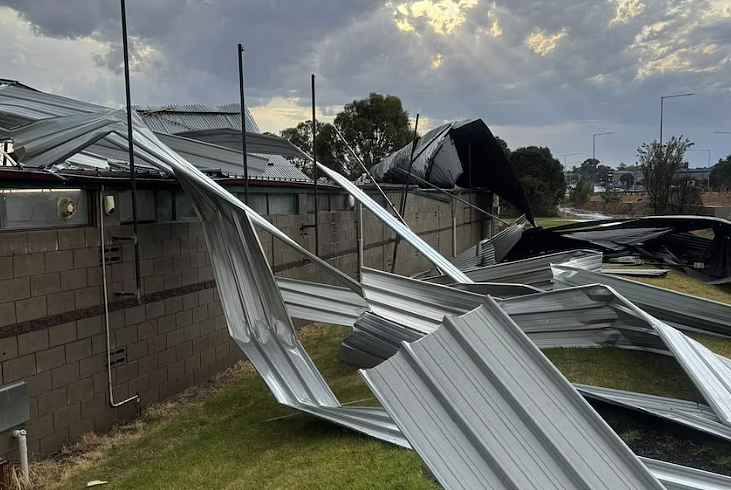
<point>662,102</point>
<point>709,163</point>
<point>593,144</point>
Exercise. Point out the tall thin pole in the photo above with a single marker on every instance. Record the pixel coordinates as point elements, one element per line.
<point>132,171</point>
<point>405,194</point>
<point>662,104</point>
<point>316,173</point>
<point>243,123</point>
<point>368,173</point>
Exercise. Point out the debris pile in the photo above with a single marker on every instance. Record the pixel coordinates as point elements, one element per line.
<point>455,358</point>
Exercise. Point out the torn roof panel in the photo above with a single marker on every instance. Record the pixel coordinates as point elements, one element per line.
<point>320,302</point>
<point>679,310</point>
<point>414,304</point>
<point>484,408</point>
<point>691,414</point>
<point>534,271</point>
<point>461,153</point>
<point>404,231</point>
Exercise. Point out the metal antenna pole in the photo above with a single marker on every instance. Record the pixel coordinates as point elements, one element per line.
<point>243,123</point>
<point>370,176</point>
<point>132,172</point>
<point>316,172</point>
<point>404,194</point>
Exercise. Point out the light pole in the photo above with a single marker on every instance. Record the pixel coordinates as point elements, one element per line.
<point>593,148</point>
<point>709,163</point>
<point>564,161</point>
<point>593,143</point>
<point>662,103</point>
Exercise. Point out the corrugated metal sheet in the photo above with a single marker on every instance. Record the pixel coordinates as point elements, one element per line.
<point>176,118</point>
<point>498,289</point>
<point>676,309</point>
<point>484,408</point>
<point>253,306</point>
<point>207,157</point>
<point>690,414</point>
<point>412,238</point>
<point>373,340</point>
<point>676,477</point>
<point>320,302</point>
<point>567,309</point>
<point>533,272</point>
<point>221,126</point>
<point>415,304</point>
<point>491,250</point>
<point>636,272</point>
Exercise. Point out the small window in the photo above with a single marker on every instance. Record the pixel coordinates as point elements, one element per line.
<point>145,206</point>
<point>309,204</point>
<point>338,202</point>
<point>183,207</point>
<point>282,203</point>
<point>323,202</point>
<point>257,202</point>
<point>42,208</point>
<point>163,206</point>
<point>378,197</point>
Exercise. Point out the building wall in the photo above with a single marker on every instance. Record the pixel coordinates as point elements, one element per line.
<point>52,319</point>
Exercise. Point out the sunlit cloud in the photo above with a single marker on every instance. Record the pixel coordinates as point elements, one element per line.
<point>443,16</point>
<point>543,43</point>
<point>436,62</point>
<point>280,112</point>
<point>627,9</point>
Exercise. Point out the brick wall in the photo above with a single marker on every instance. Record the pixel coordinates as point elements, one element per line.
<point>52,315</point>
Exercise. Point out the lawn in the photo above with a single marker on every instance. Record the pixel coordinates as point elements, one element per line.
<point>234,435</point>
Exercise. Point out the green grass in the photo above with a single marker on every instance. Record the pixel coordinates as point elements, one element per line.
<point>229,441</point>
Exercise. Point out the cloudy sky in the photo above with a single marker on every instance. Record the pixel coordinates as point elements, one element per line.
<point>546,73</point>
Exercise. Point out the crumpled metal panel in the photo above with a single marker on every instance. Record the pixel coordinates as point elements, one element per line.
<point>414,304</point>
<point>373,340</point>
<point>148,148</point>
<point>679,310</point>
<point>498,289</point>
<point>690,414</point>
<point>533,272</point>
<point>491,250</point>
<point>320,302</point>
<point>484,408</point>
<point>412,238</point>
<point>636,272</point>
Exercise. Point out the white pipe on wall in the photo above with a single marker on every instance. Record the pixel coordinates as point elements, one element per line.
<point>20,435</point>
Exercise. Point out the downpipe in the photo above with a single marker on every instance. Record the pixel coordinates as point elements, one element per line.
<point>136,397</point>
<point>21,436</point>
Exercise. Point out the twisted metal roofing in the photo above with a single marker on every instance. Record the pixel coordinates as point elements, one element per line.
<point>484,408</point>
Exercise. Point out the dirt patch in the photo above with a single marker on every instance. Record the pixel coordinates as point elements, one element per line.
<point>654,438</point>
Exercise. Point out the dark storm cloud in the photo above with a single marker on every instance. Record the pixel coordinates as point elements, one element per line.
<point>607,67</point>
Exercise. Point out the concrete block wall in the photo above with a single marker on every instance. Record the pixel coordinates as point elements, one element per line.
<point>52,331</point>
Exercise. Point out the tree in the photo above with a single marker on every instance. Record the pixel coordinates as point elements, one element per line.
<point>604,174</point>
<point>375,126</point>
<point>330,150</point>
<point>661,165</point>
<point>588,169</point>
<point>720,177</point>
<point>542,177</point>
<point>504,146</point>
<point>581,192</point>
